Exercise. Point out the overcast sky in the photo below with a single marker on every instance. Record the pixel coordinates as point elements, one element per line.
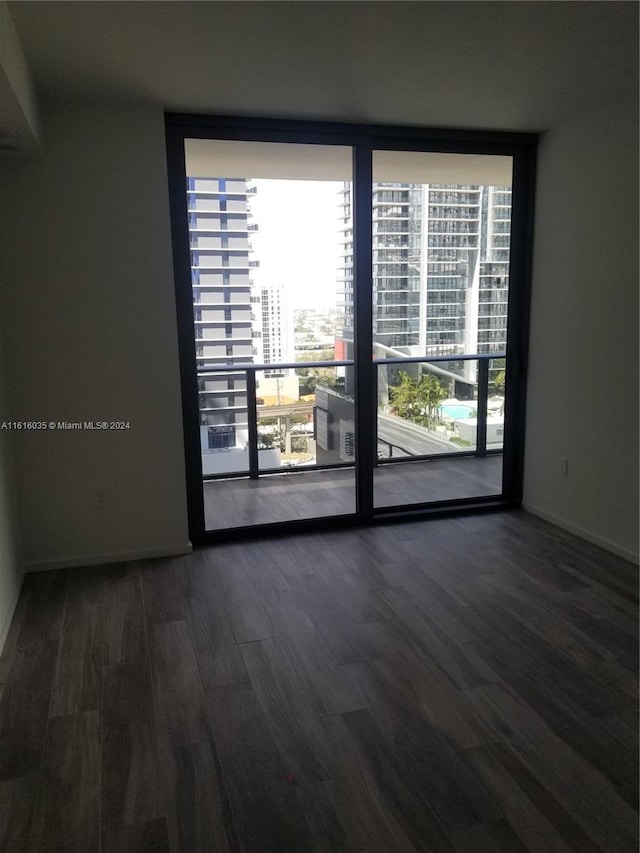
<point>297,239</point>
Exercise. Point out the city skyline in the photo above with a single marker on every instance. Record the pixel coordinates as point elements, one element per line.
<point>263,249</point>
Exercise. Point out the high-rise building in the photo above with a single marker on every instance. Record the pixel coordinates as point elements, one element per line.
<point>277,338</point>
<point>223,294</point>
<point>277,327</point>
<point>494,272</point>
<point>440,270</point>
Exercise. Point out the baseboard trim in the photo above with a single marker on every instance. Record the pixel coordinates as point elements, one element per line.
<point>582,533</point>
<point>6,623</point>
<point>102,559</point>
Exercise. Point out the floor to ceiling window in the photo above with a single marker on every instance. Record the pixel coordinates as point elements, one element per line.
<point>440,285</point>
<point>352,308</point>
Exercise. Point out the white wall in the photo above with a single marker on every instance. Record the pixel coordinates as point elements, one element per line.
<point>583,375</point>
<point>88,315</point>
<point>10,557</point>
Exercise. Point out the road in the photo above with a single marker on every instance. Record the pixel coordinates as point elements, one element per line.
<point>413,439</point>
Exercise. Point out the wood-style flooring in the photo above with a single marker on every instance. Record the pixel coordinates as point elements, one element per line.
<point>297,494</point>
<point>456,685</point>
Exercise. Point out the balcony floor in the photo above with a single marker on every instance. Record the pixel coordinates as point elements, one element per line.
<point>298,494</point>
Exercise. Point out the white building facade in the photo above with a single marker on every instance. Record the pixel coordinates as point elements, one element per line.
<point>224,316</point>
<point>440,269</point>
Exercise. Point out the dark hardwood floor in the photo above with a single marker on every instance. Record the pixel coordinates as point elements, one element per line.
<point>458,685</point>
<point>296,493</point>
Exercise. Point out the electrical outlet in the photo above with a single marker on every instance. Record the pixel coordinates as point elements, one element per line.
<point>100,498</point>
<point>564,466</point>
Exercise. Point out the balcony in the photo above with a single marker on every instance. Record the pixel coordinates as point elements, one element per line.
<point>453,454</point>
<point>312,493</point>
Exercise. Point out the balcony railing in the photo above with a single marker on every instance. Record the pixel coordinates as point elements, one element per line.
<point>390,437</point>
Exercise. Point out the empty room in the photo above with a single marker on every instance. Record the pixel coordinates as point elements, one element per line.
<point>318,426</point>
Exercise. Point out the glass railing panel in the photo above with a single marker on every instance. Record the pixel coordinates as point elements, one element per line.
<point>496,404</point>
<point>306,420</point>
<point>224,430</point>
<point>429,438</point>
<point>426,409</point>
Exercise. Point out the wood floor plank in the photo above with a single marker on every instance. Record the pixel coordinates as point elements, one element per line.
<point>11,640</point>
<point>362,603</point>
<point>246,613</point>
<point>594,805</point>
<point>494,837</point>
<point>270,584</point>
<point>218,655</point>
<point>125,635</point>
<point>456,661</point>
<point>197,811</point>
<point>77,684</point>
<point>364,567</point>
<point>287,556</point>
<point>67,809</point>
<point>264,814</point>
<point>403,667</point>
<point>132,781</point>
<point>454,793</point>
<point>591,601</point>
<point>526,600</point>
<point>388,780</point>
<point>46,594</point>
<point>615,577</point>
<point>288,706</point>
<point>179,695</point>
<point>150,837</point>
<point>532,825</point>
<point>24,709</point>
<point>325,833</point>
<point>313,661</point>
<point>468,624</point>
<point>382,545</point>
<point>520,661</point>
<point>339,631</point>
<point>566,717</point>
<point>17,799</point>
<point>161,588</point>
<point>369,825</point>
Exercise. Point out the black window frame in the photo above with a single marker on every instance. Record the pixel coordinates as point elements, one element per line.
<point>364,139</point>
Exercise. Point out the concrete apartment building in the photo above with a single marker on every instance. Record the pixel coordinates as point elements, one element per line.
<point>440,275</point>
<point>237,320</point>
<point>222,303</point>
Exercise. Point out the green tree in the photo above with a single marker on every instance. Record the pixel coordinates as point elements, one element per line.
<point>271,440</point>
<point>497,371</point>
<point>418,400</point>
<point>404,396</point>
<point>431,393</point>
<point>312,376</point>
<point>498,382</point>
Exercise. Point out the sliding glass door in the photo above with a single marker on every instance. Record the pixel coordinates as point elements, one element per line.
<point>264,252</point>
<point>352,311</point>
<point>440,242</point>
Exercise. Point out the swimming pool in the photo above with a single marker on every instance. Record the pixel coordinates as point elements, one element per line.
<point>457,411</point>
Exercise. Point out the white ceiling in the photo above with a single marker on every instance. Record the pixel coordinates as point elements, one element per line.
<point>495,65</point>
<point>334,163</point>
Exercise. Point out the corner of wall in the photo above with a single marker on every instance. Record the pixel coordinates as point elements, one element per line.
<point>582,396</point>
